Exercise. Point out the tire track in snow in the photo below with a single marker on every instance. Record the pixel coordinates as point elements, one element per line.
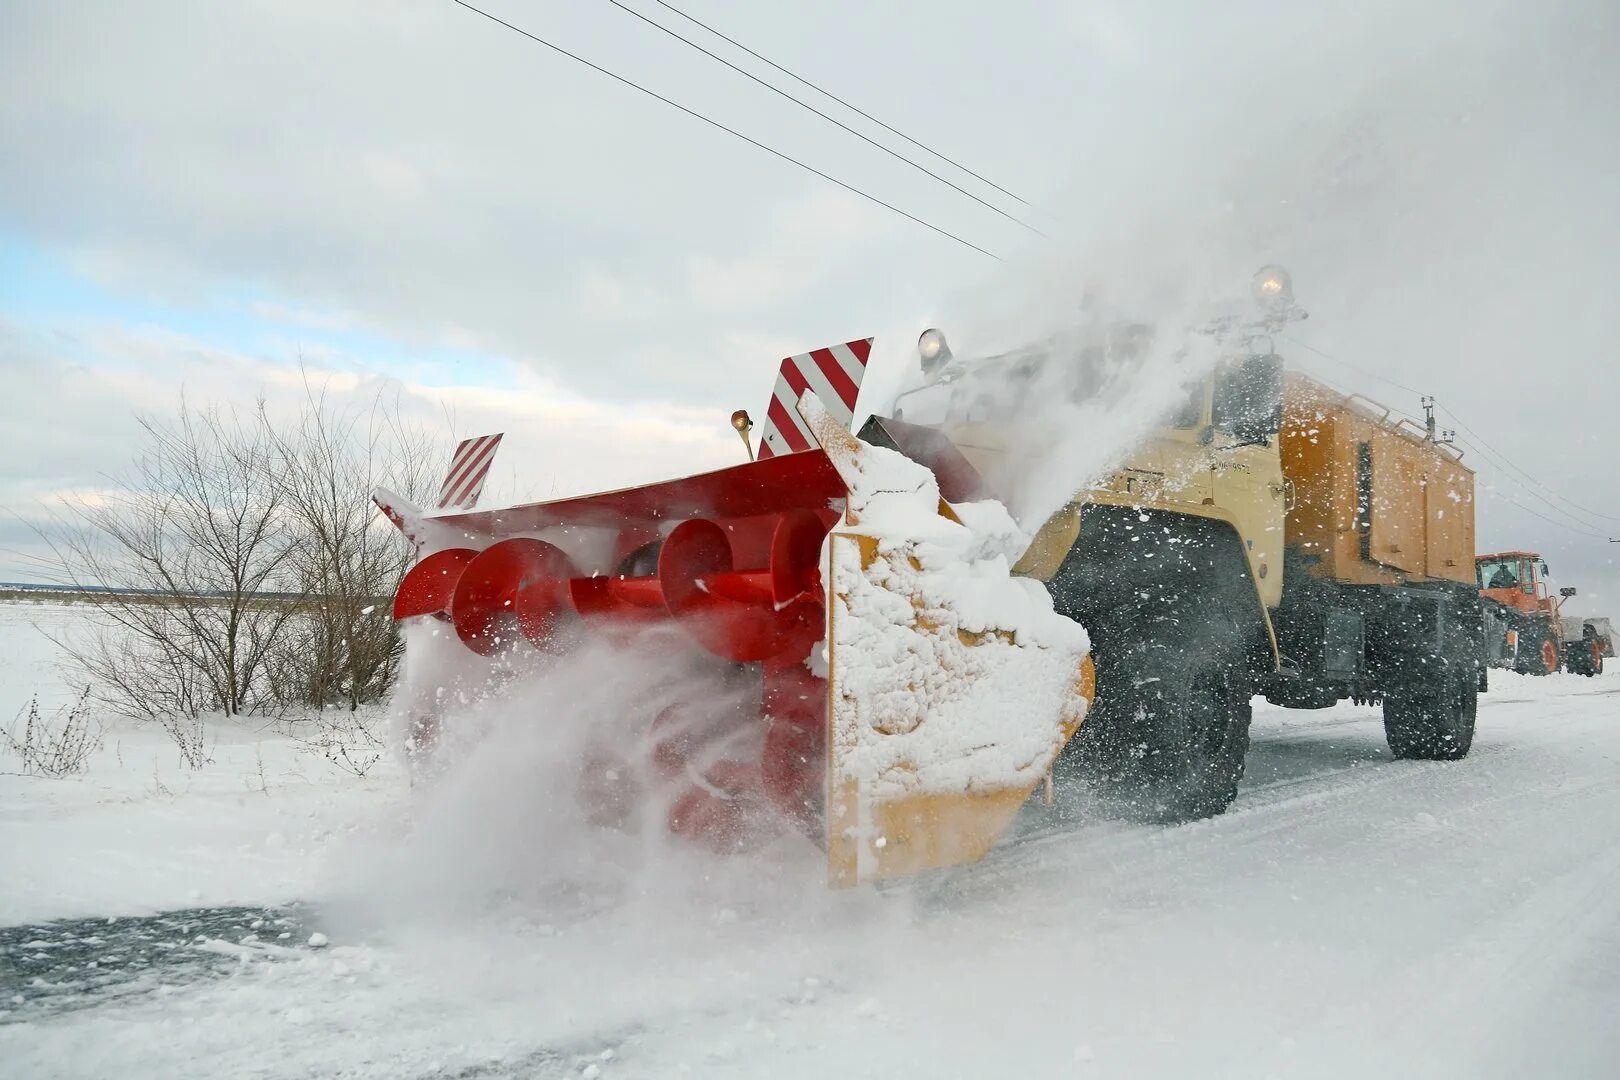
<point>1262,811</point>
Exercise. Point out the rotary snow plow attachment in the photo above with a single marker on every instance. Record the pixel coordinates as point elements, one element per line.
<point>903,694</point>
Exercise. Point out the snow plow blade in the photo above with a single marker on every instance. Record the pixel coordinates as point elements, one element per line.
<point>904,693</point>
<point>920,775</point>
<point>954,685</point>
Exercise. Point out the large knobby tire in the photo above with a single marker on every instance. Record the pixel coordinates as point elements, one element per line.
<point>1176,628</point>
<point>1549,656</point>
<point>1166,743</point>
<point>1433,723</point>
<point>1538,653</point>
<point>1584,657</point>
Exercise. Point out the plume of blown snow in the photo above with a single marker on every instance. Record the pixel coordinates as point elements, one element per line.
<point>532,793</point>
<point>1342,143</point>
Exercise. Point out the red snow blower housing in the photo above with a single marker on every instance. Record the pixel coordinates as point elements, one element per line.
<point>844,598</point>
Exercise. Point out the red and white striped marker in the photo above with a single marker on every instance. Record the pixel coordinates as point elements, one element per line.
<point>834,374</point>
<point>468,468</point>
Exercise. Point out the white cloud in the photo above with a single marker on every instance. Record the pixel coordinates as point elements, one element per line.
<point>76,421</point>
<point>303,316</point>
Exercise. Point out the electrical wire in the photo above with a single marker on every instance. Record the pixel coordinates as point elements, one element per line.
<point>834,97</point>
<point>627,9</point>
<point>1493,493</point>
<point>1328,382</point>
<point>1507,470</point>
<point>1352,367</point>
<point>729,131</point>
<point>1563,498</point>
<point>1495,457</point>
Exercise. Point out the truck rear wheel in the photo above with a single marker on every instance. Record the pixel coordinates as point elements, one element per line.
<point>1433,724</point>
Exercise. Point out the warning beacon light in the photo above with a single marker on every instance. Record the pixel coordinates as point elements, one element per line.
<point>933,351</point>
<point>1273,288</point>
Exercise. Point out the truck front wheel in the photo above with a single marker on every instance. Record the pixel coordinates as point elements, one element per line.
<point>1584,657</point>
<point>1433,724</point>
<point>1549,656</point>
<point>1166,742</point>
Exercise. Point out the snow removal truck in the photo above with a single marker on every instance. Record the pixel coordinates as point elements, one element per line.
<point>913,656</point>
<point>1270,535</point>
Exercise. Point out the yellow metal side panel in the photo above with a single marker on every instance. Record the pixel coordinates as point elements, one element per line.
<point>1353,429</point>
<point>1398,518</point>
<point>1320,440</point>
<point>1318,458</point>
<point>1450,513</point>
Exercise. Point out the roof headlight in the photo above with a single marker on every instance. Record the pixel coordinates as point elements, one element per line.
<point>933,352</point>
<point>1273,288</point>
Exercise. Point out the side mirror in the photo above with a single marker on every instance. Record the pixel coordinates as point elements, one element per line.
<point>1567,592</point>
<point>1248,398</point>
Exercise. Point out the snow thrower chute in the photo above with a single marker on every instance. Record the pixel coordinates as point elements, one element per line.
<point>906,693</point>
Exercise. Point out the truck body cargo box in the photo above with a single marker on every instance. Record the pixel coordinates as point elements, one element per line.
<point>1375,502</point>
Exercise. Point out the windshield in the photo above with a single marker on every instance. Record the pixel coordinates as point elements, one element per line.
<point>1502,574</point>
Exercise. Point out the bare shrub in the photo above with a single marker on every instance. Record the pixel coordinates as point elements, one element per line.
<point>55,747</point>
<point>239,565</point>
<point>346,739</point>
<point>193,536</point>
<point>343,649</point>
<point>189,734</point>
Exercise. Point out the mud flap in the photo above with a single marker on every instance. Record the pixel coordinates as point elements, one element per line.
<point>953,685</point>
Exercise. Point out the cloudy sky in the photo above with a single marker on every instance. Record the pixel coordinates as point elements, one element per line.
<point>204,197</point>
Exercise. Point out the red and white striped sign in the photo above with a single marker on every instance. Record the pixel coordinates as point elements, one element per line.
<point>834,374</point>
<point>468,469</point>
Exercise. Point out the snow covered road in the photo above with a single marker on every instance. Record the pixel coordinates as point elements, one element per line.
<point>1351,916</point>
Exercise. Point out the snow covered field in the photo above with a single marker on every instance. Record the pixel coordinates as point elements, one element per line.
<point>1351,916</point>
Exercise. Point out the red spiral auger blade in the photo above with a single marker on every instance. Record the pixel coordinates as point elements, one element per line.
<point>427,588</point>
<point>485,608</point>
<point>752,614</point>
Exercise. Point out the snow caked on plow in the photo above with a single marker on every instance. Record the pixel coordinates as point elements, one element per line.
<point>872,676</point>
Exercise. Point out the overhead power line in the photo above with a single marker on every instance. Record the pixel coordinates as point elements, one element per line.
<point>851,188</point>
<point>1352,367</point>
<point>1528,478</point>
<point>1579,525</point>
<point>627,9</point>
<point>824,92</point>
<point>1315,372</point>
<point>1495,457</point>
<point>1537,514</point>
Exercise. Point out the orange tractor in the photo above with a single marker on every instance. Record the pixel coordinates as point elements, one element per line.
<point>1528,630</point>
